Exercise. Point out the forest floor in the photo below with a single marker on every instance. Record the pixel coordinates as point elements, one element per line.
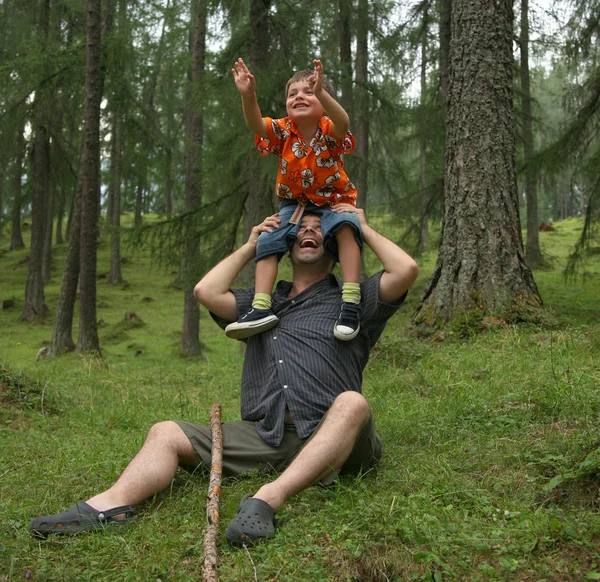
<point>490,468</point>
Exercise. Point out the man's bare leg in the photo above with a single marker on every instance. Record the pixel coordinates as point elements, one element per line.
<point>325,453</point>
<point>151,470</point>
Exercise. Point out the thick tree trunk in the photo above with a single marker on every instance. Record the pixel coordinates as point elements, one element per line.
<point>190,334</point>
<point>532,246</point>
<point>87,340</point>
<point>114,195</point>
<point>16,236</point>
<point>259,203</point>
<point>481,263</point>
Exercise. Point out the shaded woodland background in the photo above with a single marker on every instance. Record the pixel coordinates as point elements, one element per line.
<point>113,107</point>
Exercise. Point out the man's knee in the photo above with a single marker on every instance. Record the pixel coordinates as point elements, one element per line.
<point>168,435</point>
<point>355,404</point>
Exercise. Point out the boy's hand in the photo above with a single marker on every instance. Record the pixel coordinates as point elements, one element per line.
<point>244,79</point>
<point>316,79</point>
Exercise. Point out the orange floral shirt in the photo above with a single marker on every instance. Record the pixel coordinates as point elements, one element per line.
<point>311,172</point>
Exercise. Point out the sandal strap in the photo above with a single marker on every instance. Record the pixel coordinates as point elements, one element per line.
<point>109,513</point>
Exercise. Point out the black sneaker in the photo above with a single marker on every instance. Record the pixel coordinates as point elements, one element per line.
<point>252,322</point>
<point>348,324</point>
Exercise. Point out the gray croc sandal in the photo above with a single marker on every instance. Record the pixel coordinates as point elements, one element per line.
<point>80,517</point>
<point>254,522</point>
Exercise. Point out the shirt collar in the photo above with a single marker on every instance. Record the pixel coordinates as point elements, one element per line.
<point>294,128</point>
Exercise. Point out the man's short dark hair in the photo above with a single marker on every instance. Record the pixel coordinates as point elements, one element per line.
<point>305,74</point>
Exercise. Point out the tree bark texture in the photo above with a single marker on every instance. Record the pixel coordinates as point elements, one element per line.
<point>190,334</point>
<point>16,235</point>
<point>532,245</point>
<point>481,260</point>
<point>87,340</point>
<point>210,567</point>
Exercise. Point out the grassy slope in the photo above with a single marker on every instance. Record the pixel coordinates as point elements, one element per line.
<point>473,429</point>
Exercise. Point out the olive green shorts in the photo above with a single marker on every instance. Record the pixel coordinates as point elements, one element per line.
<point>245,451</point>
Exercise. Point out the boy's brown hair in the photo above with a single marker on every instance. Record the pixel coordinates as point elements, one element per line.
<point>305,74</point>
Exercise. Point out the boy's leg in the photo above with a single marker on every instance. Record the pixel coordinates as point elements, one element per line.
<point>260,316</point>
<point>270,247</point>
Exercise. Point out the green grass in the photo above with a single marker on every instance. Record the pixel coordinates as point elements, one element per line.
<point>473,429</point>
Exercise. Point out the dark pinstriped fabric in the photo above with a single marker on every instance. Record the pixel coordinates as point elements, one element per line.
<point>299,364</point>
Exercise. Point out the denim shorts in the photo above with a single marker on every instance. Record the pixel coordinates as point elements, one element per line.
<point>279,241</point>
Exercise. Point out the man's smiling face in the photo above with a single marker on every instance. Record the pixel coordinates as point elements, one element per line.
<point>308,248</point>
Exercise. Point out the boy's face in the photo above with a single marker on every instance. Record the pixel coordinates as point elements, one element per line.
<point>301,104</point>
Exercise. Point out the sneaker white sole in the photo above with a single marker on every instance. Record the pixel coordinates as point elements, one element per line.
<point>345,336</point>
<point>241,331</point>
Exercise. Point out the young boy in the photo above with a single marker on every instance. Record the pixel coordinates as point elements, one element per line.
<point>309,143</point>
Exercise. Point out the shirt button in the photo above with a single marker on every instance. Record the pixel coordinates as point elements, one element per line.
<point>281,361</point>
<point>274,337</point>
<point>285,385</point>
<point>293,301</point>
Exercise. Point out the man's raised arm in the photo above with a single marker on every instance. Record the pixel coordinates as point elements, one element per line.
<point>400,269</point>
<point>213,291</point>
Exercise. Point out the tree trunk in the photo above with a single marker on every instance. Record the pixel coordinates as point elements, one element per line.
<point>532,246</point>
<point>481,263</point>
<point>259,203</point>
<point>190,334</point>
<point>35,308</point>
<point>16,236</point>
<point>87,340</point>
<point>114,195</point>
<point>62,334</point>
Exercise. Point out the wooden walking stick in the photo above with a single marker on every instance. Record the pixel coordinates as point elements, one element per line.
<point>209,569</point>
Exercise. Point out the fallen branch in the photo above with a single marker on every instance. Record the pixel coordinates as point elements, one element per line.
<point>209,569</point>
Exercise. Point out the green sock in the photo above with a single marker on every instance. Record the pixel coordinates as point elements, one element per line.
<point>351,292</point>
<point>261,301</point>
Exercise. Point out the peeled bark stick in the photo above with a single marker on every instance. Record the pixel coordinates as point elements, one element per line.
<point>209,570</point>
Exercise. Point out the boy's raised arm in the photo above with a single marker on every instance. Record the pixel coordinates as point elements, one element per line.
<point>337,114</point>
<point>246,84</point>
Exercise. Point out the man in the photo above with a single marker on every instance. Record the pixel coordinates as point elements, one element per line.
<point>303,413</point>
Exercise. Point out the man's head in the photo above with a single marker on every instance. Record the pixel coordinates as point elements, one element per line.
<point>308,248</point>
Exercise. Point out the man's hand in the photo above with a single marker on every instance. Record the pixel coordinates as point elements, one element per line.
<point>267,225</point>
<point>315,81</point>
<point>244,79</point>
<point>345,207</point>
